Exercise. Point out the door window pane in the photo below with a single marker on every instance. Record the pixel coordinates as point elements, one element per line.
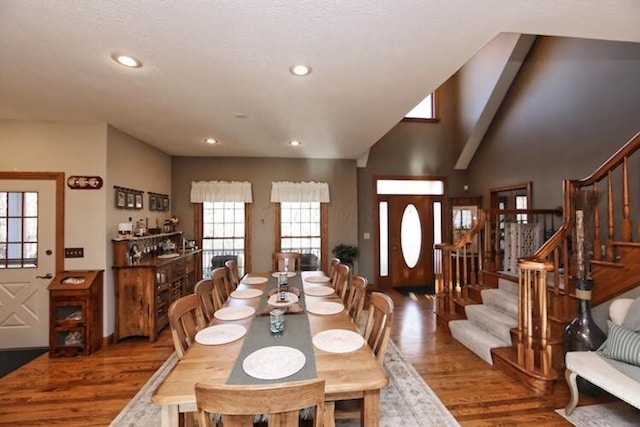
<point>18,229</point>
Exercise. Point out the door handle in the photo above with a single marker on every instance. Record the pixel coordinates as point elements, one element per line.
<point>46,276</point>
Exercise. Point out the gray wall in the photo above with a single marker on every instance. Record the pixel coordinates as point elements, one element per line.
<point>574,103</point>
<point>339,174</point>
<point>410,148</point>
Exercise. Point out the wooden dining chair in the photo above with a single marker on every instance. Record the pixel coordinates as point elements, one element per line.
<point>332,266</point>
<point>281,402</point>
<point>340,281</point>
<point>234,276</point>
<point>209,298</point>
<point>185,320</point>
<point>220,280</point>
<point>355,298</point>
<point>377,333</point>
<point>286,260</point>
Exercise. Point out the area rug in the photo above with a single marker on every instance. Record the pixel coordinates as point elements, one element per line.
<point>618,414</point>
<point>406,401</point>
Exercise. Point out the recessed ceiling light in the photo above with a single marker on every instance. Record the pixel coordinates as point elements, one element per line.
<point>300,70</point>
<point>211,141</point>
<point>126,60</point>
<point>295,143</point>
<point>240,116</point>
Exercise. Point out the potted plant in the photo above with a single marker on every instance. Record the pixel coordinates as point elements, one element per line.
<point>346,253</point>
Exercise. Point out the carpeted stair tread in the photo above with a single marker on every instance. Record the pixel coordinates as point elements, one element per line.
<point>508,285</point>
<point>491,321</point>
<point>475,339</point>
<point>501,300</point>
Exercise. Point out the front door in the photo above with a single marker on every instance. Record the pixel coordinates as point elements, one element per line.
<point>409,223</point>
<point>27,260</point>
<point>410,241</point>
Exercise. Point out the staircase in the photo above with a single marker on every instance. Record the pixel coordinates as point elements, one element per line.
<point>516,324</point>
<point>488,325</point>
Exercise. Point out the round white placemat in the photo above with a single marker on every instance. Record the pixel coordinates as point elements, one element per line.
<point>317,279</point>
<point>289,274</point>
<point>291,298</point>
<point>220,334</point>
<point>246,293</point>
<point>271,363</point>
<point>338,341</point>
<point>253,280</point>
<point>234,312</point>
<point>319,291</point>
<point>325,307</point>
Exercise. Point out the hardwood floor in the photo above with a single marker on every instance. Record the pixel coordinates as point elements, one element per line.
<point>91,391</point>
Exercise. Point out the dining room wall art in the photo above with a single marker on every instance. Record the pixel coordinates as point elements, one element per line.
<point>128,198</point>
<point>158,202</point>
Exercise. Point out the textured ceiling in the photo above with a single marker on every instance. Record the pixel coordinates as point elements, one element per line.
<point>206,61</point>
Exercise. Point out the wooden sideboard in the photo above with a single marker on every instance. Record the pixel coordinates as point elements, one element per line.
<point>146,287</point>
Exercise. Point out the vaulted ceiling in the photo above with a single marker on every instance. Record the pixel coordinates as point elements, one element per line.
<point>221,69</point>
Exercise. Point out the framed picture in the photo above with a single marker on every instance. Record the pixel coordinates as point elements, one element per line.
<point>131,203</point>
<point>152,202</point>
<point>121,199</point>
<point>138,200</point>
<point>165,203</point>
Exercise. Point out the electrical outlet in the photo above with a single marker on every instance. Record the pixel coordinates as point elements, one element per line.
<point>74,252</point>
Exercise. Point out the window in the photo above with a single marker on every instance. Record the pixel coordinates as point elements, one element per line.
<point>301,225</point>
<point>426,110</point>
<point>18,229</point>
<point>521,203</point>
<point>223,234</point>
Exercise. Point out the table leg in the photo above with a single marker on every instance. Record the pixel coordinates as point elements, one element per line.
<point>370,415</point>
<point>329,413</point>
<point>169,416</point>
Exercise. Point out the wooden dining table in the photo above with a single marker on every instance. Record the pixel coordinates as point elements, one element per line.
<point>352,375</point>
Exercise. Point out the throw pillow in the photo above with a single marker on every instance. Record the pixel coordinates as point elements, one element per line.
<point>622,344</point>
<point>632,318</point>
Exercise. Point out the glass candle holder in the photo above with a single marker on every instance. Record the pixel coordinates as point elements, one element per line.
<point>276,322</point>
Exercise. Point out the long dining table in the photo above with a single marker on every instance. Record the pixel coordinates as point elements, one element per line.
<point>348,375</point>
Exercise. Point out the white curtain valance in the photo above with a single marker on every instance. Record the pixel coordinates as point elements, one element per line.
<point>285,191</point>
<point>221,191</point>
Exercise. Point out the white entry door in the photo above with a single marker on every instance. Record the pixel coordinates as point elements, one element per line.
<point>27,261</point>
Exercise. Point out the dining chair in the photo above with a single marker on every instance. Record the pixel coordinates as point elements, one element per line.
<point>185,320</point>
<point>332,266</point>
<point>209,298</point>
<point>220,280</point>
<point>281,402</point>
<point>340,281</point>
<point>286,260</point>
<point>234,276</point>
<point>355,298</point>
<point>377,331</point>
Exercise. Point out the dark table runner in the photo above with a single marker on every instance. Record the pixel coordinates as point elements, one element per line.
<point>297,334</point>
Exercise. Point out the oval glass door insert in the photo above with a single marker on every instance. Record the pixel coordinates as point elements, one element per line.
<point>411,236</point>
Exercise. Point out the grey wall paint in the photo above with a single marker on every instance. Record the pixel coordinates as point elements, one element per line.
<point>574,103</point>
<point>410,148</point>
<point>339,174</point>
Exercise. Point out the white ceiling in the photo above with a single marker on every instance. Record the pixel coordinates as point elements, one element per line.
<point>205,61</point>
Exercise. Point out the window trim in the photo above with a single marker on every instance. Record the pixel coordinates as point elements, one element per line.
<point>324,233</point>
<point>198,217</point>
<point>435,101</point>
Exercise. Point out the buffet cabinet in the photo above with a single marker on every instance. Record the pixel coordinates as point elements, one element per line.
<point>75,310</point>
<point>147,284</point>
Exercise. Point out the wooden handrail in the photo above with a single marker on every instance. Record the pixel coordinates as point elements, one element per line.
<point>612,162</point>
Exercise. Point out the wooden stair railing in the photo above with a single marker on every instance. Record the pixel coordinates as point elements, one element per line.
<point>548,276</point>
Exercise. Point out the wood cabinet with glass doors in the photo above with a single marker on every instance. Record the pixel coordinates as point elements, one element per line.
<point>151,272</point>
<point>75,309</point>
